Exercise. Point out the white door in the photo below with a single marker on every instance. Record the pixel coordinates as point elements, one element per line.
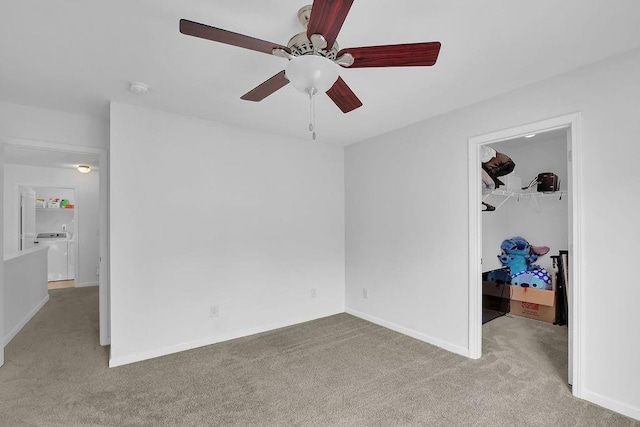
<point>27,218</point>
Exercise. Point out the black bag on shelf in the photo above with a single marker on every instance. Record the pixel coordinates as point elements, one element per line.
<point>547,182</point>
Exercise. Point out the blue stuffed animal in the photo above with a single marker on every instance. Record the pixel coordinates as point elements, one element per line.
<point>515,243</point>
<point>498,276</point>
<point>537,279</point>
<point>515,253</point>
<point>518,255</point>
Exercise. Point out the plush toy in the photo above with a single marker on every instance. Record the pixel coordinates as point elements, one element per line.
<point>515,252</point>
<point>537,279</point>
<point>498,276</point>
<point>518,255</point>
<point>515,243</point>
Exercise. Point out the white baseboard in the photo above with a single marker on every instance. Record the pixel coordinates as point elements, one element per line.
<point>605,402</point>
<point>86,284</point>
<point>138,357</point>
<point>410,332</point>
<point>11,335</point>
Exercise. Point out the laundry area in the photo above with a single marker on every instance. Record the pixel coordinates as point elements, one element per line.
<point>525,228</point>
<point>55,219</point>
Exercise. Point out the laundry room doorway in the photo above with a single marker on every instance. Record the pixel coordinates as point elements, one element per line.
<point>483,258</point>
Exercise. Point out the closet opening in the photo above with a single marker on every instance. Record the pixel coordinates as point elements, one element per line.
<point>524,249</point>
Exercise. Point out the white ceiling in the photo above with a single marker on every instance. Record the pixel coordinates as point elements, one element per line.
<point>75,56</point>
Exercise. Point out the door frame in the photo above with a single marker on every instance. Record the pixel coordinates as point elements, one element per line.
<point>103,177</point>
<point>572,122</point>
<point>22,189</point>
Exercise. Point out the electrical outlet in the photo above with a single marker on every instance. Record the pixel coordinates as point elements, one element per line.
<point>313,293</point>
<point>365,293</point>
<point>213,311</point>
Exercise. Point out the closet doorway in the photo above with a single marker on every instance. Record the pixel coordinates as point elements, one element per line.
<point>484,247</point>
<point>523,206</point>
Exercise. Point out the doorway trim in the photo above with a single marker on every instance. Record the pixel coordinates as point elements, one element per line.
<point>574,156</point>
<point>103,177</point>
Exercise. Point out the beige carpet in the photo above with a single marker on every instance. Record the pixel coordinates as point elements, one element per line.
<point>335,371</point>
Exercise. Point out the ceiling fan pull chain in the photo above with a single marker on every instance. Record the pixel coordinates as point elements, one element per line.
<point>312,112</point>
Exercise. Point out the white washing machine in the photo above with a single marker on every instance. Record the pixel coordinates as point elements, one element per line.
<point>60,265</point>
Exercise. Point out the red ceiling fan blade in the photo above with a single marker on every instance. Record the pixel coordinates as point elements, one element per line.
<point>397,55</point>
<point>327,17</point>
<point>203,31</point>
<point>343,96</point>
<point>265,89</point>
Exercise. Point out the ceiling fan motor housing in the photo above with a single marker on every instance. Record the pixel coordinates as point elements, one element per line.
<point>301,45</point>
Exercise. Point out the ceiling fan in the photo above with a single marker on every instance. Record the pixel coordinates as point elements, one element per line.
<point>313,54</point>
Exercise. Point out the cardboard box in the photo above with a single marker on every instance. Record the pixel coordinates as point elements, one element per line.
<point>533,303</point>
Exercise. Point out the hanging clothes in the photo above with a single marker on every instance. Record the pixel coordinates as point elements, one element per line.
<point>499,165</point>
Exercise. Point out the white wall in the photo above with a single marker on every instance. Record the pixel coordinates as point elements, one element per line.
<point>38,124</point>
<point>25,289</point>
<point>407,220</point>
<point>1,255</point>
<point>543,221</point>
<point>48,220</point>
<point>496,226</point>
<point>86,211</point>
<point>204,213</point>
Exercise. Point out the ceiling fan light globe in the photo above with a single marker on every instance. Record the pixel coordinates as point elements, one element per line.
<point>312,71</point>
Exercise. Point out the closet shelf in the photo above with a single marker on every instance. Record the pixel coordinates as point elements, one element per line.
<point>508,194</point>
